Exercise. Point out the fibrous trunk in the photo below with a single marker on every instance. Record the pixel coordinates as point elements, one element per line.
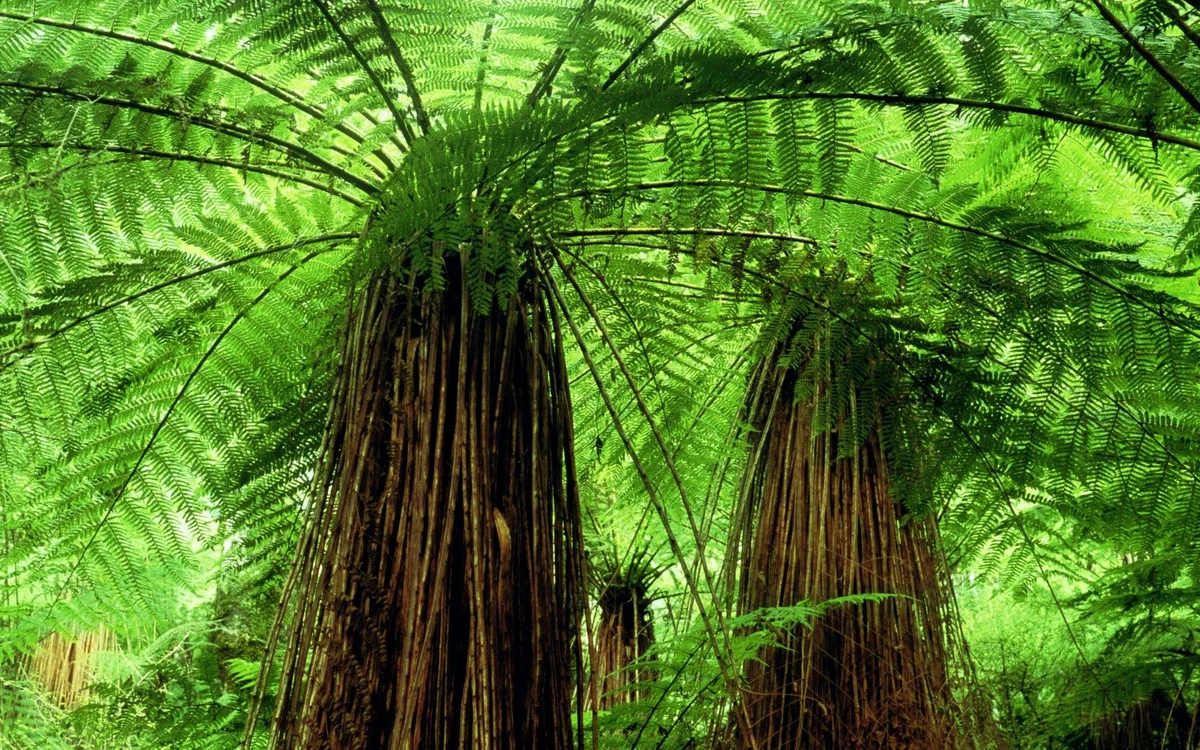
<point>1159,720</point>
<point>817,526</point>
<point>437,590</point>
<point>624,635</point>
<point>64,666</point>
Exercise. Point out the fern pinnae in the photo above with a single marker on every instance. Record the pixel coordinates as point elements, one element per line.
<point>901,101</point>
<point>88,149</point>
<point>1151,59</point>
<point>280,93</point>
<point>364,64</point>
<point>1124,293</point>
<point>162,423</point>
<point>10,355</point>
<point>645,44</point>
<point>402,65</point>
<point>551,67</point>
<point>249,136</point>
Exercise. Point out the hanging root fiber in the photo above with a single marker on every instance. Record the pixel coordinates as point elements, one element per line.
<point>436,596</point>
<point>819,522</point>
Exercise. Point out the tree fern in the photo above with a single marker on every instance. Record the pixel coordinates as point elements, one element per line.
<point>997,200</point>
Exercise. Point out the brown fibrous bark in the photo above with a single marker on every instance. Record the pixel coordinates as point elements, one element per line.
<point>65,666</point>
<point>438,587</point>
<point>814,527</point>
<point>624,634</point>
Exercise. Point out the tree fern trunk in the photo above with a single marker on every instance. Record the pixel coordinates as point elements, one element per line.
<point>624,635</point>
<point>817,526</point>
<point>438,586</point>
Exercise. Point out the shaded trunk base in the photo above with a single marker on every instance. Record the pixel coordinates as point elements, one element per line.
<point>817,526</point>
<point>65,667</point>
<point>436,594</point>
<point>1159,721</point>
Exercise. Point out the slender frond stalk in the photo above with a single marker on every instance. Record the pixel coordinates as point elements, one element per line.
<point>645,44</point>
<point>910,100</point>
<point>637,738</point>
<point>648,416</point>
<point>410,82</point>
<point>701,292</point>
<point>1034,552</point>
<point>555,63</point>
<point>386,96</point>
<point>152,154</point>
<point>684,231</point>
<point>639,335</point>
<point>119,495</point>
<point>41,340</point>
<point>393,137</point>
<point>1177,18</point>
<point>1172,80</point>
<point>1186,325</point>
<point>485,43</point>
<point>252,137</point>
<point>288,97</point>
<point>719,650</point>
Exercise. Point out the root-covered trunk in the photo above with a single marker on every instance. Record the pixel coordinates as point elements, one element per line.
<point>817,526</point>
<point>436,599</point>
<point>624,635</point>
<point>64,667</point>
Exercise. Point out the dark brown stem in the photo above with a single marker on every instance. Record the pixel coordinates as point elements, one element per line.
<point>288,97</point>
<point>1184,92</point>
<point>252,137</point>
<point>555,63</point>
<point>645,43</point>
<point>337,237</point>
<point>926,218</point>
<point>907,100</point>
<point>240,166</point>
<point>685,231</point>
<point>410,82</point>
<point>481,72</point>
<point>384,94</point>
<point>721,648</point>
<point>1178,19</point>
